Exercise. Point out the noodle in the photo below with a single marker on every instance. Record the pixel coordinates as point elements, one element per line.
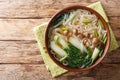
<point>81,30</point>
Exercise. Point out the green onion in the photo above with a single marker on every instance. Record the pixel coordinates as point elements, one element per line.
<point>101,52</point>
<point>63,28</point>
<point>89,62</point>
<point>101,24</point>
<point>63,58</point>
<point>89,52</point>
<point>96,33</point>
<point>73,17</point>
<point>105,40</point>
<point>86,22</point>
<point>104,36</point>
<point>57,39</point>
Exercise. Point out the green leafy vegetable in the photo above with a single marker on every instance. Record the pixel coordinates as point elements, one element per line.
<point>74,56</point>
<point>89,52</point>
<point>85,22</point>
<point>93,58</point>
<point>58,20</point>
<point>88,62</point>
<point>74,41</point>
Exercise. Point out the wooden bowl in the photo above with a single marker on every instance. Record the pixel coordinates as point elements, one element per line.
<point>92,12</point>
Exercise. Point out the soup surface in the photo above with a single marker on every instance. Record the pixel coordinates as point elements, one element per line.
<point>77,38</point>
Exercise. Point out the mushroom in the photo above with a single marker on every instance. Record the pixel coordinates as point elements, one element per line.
<point>65,32</point>
<point>95,41</point>
<point>70,33</point>
<point>87,35</point>
<point>80,36</point>
<point>88,43</point>
<point>91,35</point>
<point>84,41</point>
<point>75,31</point>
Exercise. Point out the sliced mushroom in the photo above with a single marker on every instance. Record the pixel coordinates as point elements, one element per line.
<point>80,36</point>
<point>87,35</point>
<point>91,35</point>
<point>84,41</point>
<point>65,32</point>
<point>75,31</point>
<point>70,33</point>
<point>88,43</point>
<point>95,41</point>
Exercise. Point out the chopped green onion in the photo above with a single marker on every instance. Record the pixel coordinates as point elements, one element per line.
<point>96,33</point>
<point>89,62</point>
<point>85,22</point>
<point>101,24</point>
<point>73,17</point>
<point>57,39</point>
<point>63,28</point>
<point>104,36</point>
<point>63,58</point>
<point>105,40</point>
<point>100,53</point>
<point>89,52</point>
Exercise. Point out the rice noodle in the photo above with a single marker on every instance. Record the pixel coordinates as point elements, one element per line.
<point>75,20</point>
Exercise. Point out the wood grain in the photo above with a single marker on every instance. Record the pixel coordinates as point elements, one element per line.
<point>19,29</point>
<point>23,72</point>
<point>46,8</point>
<point>19,52</point>
<point>39,72</point>
<point>20,58</point>
<point>28,52</point>
<point>22,29</point>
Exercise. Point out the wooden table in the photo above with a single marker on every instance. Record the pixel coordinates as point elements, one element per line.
<point>20,57</point>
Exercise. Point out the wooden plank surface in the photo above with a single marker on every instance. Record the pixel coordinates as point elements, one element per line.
<point>19,52</point>
<point>39,72</point>
<point>28,52</point>
<point>20,57</point>
<point>41,8</point>
<point>22,29</point>
<point>19,29</point>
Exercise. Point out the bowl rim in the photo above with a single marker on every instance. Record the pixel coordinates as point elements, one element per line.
<point>73,7</point>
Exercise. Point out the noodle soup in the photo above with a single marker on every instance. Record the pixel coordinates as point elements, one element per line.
<point>77,38</point>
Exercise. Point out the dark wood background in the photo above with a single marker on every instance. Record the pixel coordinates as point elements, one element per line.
<point>20,58</point>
